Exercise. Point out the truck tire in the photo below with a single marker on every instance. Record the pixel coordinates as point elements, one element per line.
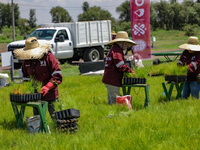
<point>92,55</point>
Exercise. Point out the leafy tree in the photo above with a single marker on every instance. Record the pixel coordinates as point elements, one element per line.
<point>95,13</point>
<point>32,18</point>
<point>59,14</point>
<point>6,15</point>
<point>173,1</point>
<point>124,10</point>
<point>153,17</point>
<point>23,25</point>
<point>7,31</point>
<point>85,6</point>
<point>125,26</point>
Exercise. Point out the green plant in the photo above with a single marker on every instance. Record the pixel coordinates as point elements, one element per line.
<point>29,87</point>
<point>190,29</point>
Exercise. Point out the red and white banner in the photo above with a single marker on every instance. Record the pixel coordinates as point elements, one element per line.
<point>140,25</point>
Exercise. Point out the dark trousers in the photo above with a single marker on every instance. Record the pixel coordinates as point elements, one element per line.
<point>51,109</point>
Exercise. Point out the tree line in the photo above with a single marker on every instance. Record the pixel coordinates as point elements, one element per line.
<point>163,15</point>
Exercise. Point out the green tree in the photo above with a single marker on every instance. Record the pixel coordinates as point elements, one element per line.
<point>24,26</point>
<point>95,13</point>
<point>124,10</point>
<point>85,6</point>
<point>59,14</point>
<point>32,18</point>
<point>6,15</point>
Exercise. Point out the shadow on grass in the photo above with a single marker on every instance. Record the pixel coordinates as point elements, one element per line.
<point>10,125</point>
<point>163,99</point>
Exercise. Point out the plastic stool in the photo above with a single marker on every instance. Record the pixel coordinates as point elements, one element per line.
<point>42,109</point>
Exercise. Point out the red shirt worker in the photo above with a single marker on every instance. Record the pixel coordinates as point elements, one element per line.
<point>115,65</point>
<point>40,64</point>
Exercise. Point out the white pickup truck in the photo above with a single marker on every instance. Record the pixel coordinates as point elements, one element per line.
<point>72,41</point>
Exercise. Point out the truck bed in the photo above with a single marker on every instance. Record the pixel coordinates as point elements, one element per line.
<point>87,33</point>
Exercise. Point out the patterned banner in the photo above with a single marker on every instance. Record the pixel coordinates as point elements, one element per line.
<point>140,25</point>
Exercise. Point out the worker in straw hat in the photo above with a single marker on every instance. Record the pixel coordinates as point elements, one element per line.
<point>115,65</point>
<point>191,58</point>
<point>40,64</point>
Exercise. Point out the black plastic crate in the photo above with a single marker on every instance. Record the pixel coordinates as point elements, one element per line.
<point>24,98</point>
<point>67,114</point>
<point>175,78</point>
<point>130,81</point>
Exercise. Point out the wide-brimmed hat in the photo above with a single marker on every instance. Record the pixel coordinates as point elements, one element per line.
<point>122,36</point>
<point>192,44</point>
<point>32,50</point>
<point>113,33</point>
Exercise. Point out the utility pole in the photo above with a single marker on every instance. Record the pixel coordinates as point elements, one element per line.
<point>13,20</point>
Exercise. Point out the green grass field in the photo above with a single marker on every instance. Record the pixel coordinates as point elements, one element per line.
<point>162,125</point>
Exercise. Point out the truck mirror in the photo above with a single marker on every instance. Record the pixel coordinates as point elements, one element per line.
<point>61,38</point>
<point>24,37</point>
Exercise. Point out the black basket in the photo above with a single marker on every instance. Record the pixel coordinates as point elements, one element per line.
<point>24,98</point>
<point>175,78</point>
<point>67,114</point>
<point>130,81</point>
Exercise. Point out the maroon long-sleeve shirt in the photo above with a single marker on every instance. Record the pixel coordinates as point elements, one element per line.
<point>115,67</point>
<point>45,70</point>
<point>193,62</point>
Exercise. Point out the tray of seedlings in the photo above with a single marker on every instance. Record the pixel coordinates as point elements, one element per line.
<point>140,77</point>
<point>25,92</point>
<point>174,73</point>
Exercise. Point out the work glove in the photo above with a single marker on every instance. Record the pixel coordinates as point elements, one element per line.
<point>132,72</point>
<point>45,89</point>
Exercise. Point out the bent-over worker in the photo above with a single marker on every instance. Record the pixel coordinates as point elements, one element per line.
<point>40,64</point>
<point>115,65</point>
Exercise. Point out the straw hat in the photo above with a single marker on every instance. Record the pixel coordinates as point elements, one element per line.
<point>32,50</point>
<point>122,36</point>
<point>113,33</point>
<point>192,44</point>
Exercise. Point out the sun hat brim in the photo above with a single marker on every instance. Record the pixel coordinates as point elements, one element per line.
<point>191,47</point>
<point>121,40</point>
<point>36,53</point>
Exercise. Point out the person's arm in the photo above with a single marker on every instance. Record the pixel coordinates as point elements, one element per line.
<point>24,72</point>
<point>183,58</point>
<point>56,74</point>
<point>120,64</point>
<point>195,63</point>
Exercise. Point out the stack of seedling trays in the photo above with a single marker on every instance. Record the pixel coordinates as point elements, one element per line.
<point>67,121</point>
<point>176,78</point>
<point>130,81</point>
<point>25,98</point>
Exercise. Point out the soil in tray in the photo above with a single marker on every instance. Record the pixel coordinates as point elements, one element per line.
<point>129,81</point>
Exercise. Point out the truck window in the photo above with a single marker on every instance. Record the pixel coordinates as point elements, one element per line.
<point>43,34</point>
<point>62,32</point>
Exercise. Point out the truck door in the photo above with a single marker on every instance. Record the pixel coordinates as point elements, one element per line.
<point>64,49</point>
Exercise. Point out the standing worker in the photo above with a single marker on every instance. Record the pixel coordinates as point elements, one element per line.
<point>115,65</point>
<point>191,58</point>
<point>40,64</point>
